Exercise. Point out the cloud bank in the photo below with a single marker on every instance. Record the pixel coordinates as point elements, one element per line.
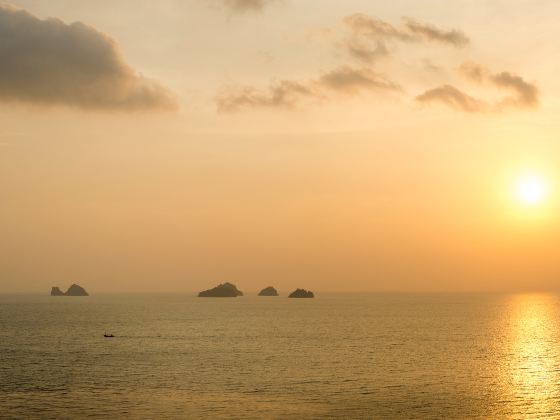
<point>48,62</point>
<point>367,39</point>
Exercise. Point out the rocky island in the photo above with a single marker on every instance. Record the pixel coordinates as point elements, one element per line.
<point>301,293</point>
<point>73,290</point>
<point>223,290</point>
<point>269,291</point>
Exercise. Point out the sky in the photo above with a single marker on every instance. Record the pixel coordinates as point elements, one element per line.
<point>338,146</point>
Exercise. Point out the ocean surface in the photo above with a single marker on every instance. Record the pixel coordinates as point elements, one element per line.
<point>336,356</point>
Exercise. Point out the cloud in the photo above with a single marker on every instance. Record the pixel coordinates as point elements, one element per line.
<point>432,33</point>
<point>283,94</point>
<point>286,94</point>
<point>474,72</point>
<point>454,98</point>
<point>369,36</point>
<point>238,6</point>
<point>372,27</point>
<point>366,53</point>
<point>353,81</point>
<point>526,94</point>
<point>48,62</point>
<point>523,94</point>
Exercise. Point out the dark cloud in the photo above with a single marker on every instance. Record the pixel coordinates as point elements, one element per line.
<point>247,5</point>
<point>523,94</point>
<point>286,94</point>
<point>49,62</point>
<point>369,36</point>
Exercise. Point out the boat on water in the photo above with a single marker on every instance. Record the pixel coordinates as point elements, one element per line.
<point>108,335</point>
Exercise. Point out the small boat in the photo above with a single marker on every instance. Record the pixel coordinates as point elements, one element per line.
<point>108,336</point>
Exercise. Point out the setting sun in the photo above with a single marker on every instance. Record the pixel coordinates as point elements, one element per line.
<point>531,189</point>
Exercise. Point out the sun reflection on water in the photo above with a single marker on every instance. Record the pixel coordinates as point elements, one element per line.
<point>533,367</point>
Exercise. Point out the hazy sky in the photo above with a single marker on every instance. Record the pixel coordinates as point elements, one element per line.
<point>351,145</point>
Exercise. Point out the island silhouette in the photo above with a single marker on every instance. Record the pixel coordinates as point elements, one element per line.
<point>222,290</point>
<point>269,291</point>
<point>74,290</point>
<point>302,294</point>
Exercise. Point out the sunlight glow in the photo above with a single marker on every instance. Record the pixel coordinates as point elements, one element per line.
<point>531,189</point>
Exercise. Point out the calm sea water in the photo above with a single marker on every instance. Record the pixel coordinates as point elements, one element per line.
<point>377,356</point>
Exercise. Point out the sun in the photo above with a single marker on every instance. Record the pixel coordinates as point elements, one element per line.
<point>531,189</point>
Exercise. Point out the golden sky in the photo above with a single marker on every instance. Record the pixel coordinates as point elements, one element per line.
<point>334,145</point>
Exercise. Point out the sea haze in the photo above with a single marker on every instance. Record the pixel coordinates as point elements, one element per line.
<point>374,356</point>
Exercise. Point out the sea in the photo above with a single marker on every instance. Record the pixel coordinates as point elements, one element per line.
<point>371,356</point>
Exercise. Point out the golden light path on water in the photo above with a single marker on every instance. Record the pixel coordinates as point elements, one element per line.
<point>533,369</point>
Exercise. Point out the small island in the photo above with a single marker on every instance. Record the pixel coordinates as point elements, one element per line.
<point>222,291</point>
<point>269,291</point>
<point>74,290</point>
<point>302,294</point>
